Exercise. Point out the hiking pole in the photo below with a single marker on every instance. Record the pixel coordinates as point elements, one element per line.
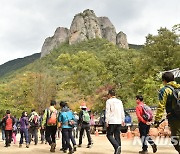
<point>158,123</point>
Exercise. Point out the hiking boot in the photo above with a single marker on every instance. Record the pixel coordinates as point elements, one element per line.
<point>118,151</point>
<point>62,149</point>
<point>65,151</point>
<point>27,145</point>
<point>53,147</point>
<point>74,148</point>
<point>143,152</point>
<point>89,146</point>
<point>79,145</point>
<point>154,147</point>
<point>70,152</point>
<point>20,145</point>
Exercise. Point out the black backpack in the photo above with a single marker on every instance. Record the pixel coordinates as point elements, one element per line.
<point>175,100</point>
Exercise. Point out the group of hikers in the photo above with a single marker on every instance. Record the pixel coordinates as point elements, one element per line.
<point>49,124</point>
<point>51,120</point>
<point>169,101</point>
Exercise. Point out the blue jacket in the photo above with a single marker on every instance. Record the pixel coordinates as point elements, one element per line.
<point>65,116</point>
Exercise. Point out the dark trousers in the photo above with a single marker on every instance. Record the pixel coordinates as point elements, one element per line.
<point>175,133</point>
<point>33,131</point>
<point>24,133</point>
<point>144,130</point>
<point>67,134</point>
<point>71,139</point>
<point>8,135</point>
<point>42,132</point>
<point>3,134</point>
<point>50,134</point>
<point>113,135</point>
<point>87,128</point>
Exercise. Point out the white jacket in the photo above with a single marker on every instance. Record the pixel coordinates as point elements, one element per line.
<point>114,111</point>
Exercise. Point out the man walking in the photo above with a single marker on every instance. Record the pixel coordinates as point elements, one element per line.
<point>114,119</point>
<point>34,126</point>
<point>166,101</point>
<point>66,118</point>
<point>144,127</point>
<point>50,122</point>
<point>8,120</point>
<point>84,123</point>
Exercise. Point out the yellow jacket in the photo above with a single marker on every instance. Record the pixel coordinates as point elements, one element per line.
<point>163,98</point>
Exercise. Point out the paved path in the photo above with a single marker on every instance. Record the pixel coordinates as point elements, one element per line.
<point>101,146</point>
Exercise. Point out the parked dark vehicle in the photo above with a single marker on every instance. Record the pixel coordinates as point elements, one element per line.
<point>101,125</point>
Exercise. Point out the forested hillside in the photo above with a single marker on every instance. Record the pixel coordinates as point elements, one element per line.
<point>16,64</point>
<point>85,71</point>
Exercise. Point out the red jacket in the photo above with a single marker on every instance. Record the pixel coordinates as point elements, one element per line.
<point>9,122</point>
<point>139,112</point>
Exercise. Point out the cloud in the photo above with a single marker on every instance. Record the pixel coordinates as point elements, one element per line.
<point>24,25</point>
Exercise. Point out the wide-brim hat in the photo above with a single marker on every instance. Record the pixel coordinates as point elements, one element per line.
<point>83,107</point>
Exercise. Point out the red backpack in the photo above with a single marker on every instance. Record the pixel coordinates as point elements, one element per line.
<point>9,122</point>
<point>52,117</point>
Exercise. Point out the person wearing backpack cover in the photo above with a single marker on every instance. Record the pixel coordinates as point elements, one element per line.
<point>168,102</point>
<point>8,120</point>
<point>144,126</point>
<point>34,126</point>
<point>50,124</point>
<point>84,123</point>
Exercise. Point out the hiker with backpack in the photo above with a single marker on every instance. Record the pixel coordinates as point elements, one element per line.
<point>50,124</point>
<point>169,100</point>
<point>145,116</point>
<point>67,121</point>
<point>34,126</point>
<point>114,119</point>
<point>8,121</point>
<point>24,126</point>
<point>84,123</point>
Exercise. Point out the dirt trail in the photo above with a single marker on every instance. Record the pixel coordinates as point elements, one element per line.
<point>101,146</point>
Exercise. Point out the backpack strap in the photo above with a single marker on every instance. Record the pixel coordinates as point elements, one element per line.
<point>171,87</point>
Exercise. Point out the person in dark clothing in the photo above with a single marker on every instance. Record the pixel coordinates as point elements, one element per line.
<point>24,125</point>
<point>144,127</point>
<point>2,125</point>
<point>84,123</point>
<point>42,129</point>
<point>8,120</point>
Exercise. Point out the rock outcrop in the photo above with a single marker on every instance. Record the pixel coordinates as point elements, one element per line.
<point>60,36</point>
<point>121,40</point>
<point>108,30</point>
<point>85,26</point>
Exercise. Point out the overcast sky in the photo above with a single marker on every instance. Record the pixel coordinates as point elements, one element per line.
<point>24,24</point>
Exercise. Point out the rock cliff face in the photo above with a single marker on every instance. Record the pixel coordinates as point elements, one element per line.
<point>60,36</point>
<point>121,40</point>
<point>85,26</point>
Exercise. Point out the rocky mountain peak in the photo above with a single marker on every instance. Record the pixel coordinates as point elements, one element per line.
<point>85,26</point>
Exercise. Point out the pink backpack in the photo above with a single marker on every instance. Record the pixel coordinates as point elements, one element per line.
<point>147,113</point>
